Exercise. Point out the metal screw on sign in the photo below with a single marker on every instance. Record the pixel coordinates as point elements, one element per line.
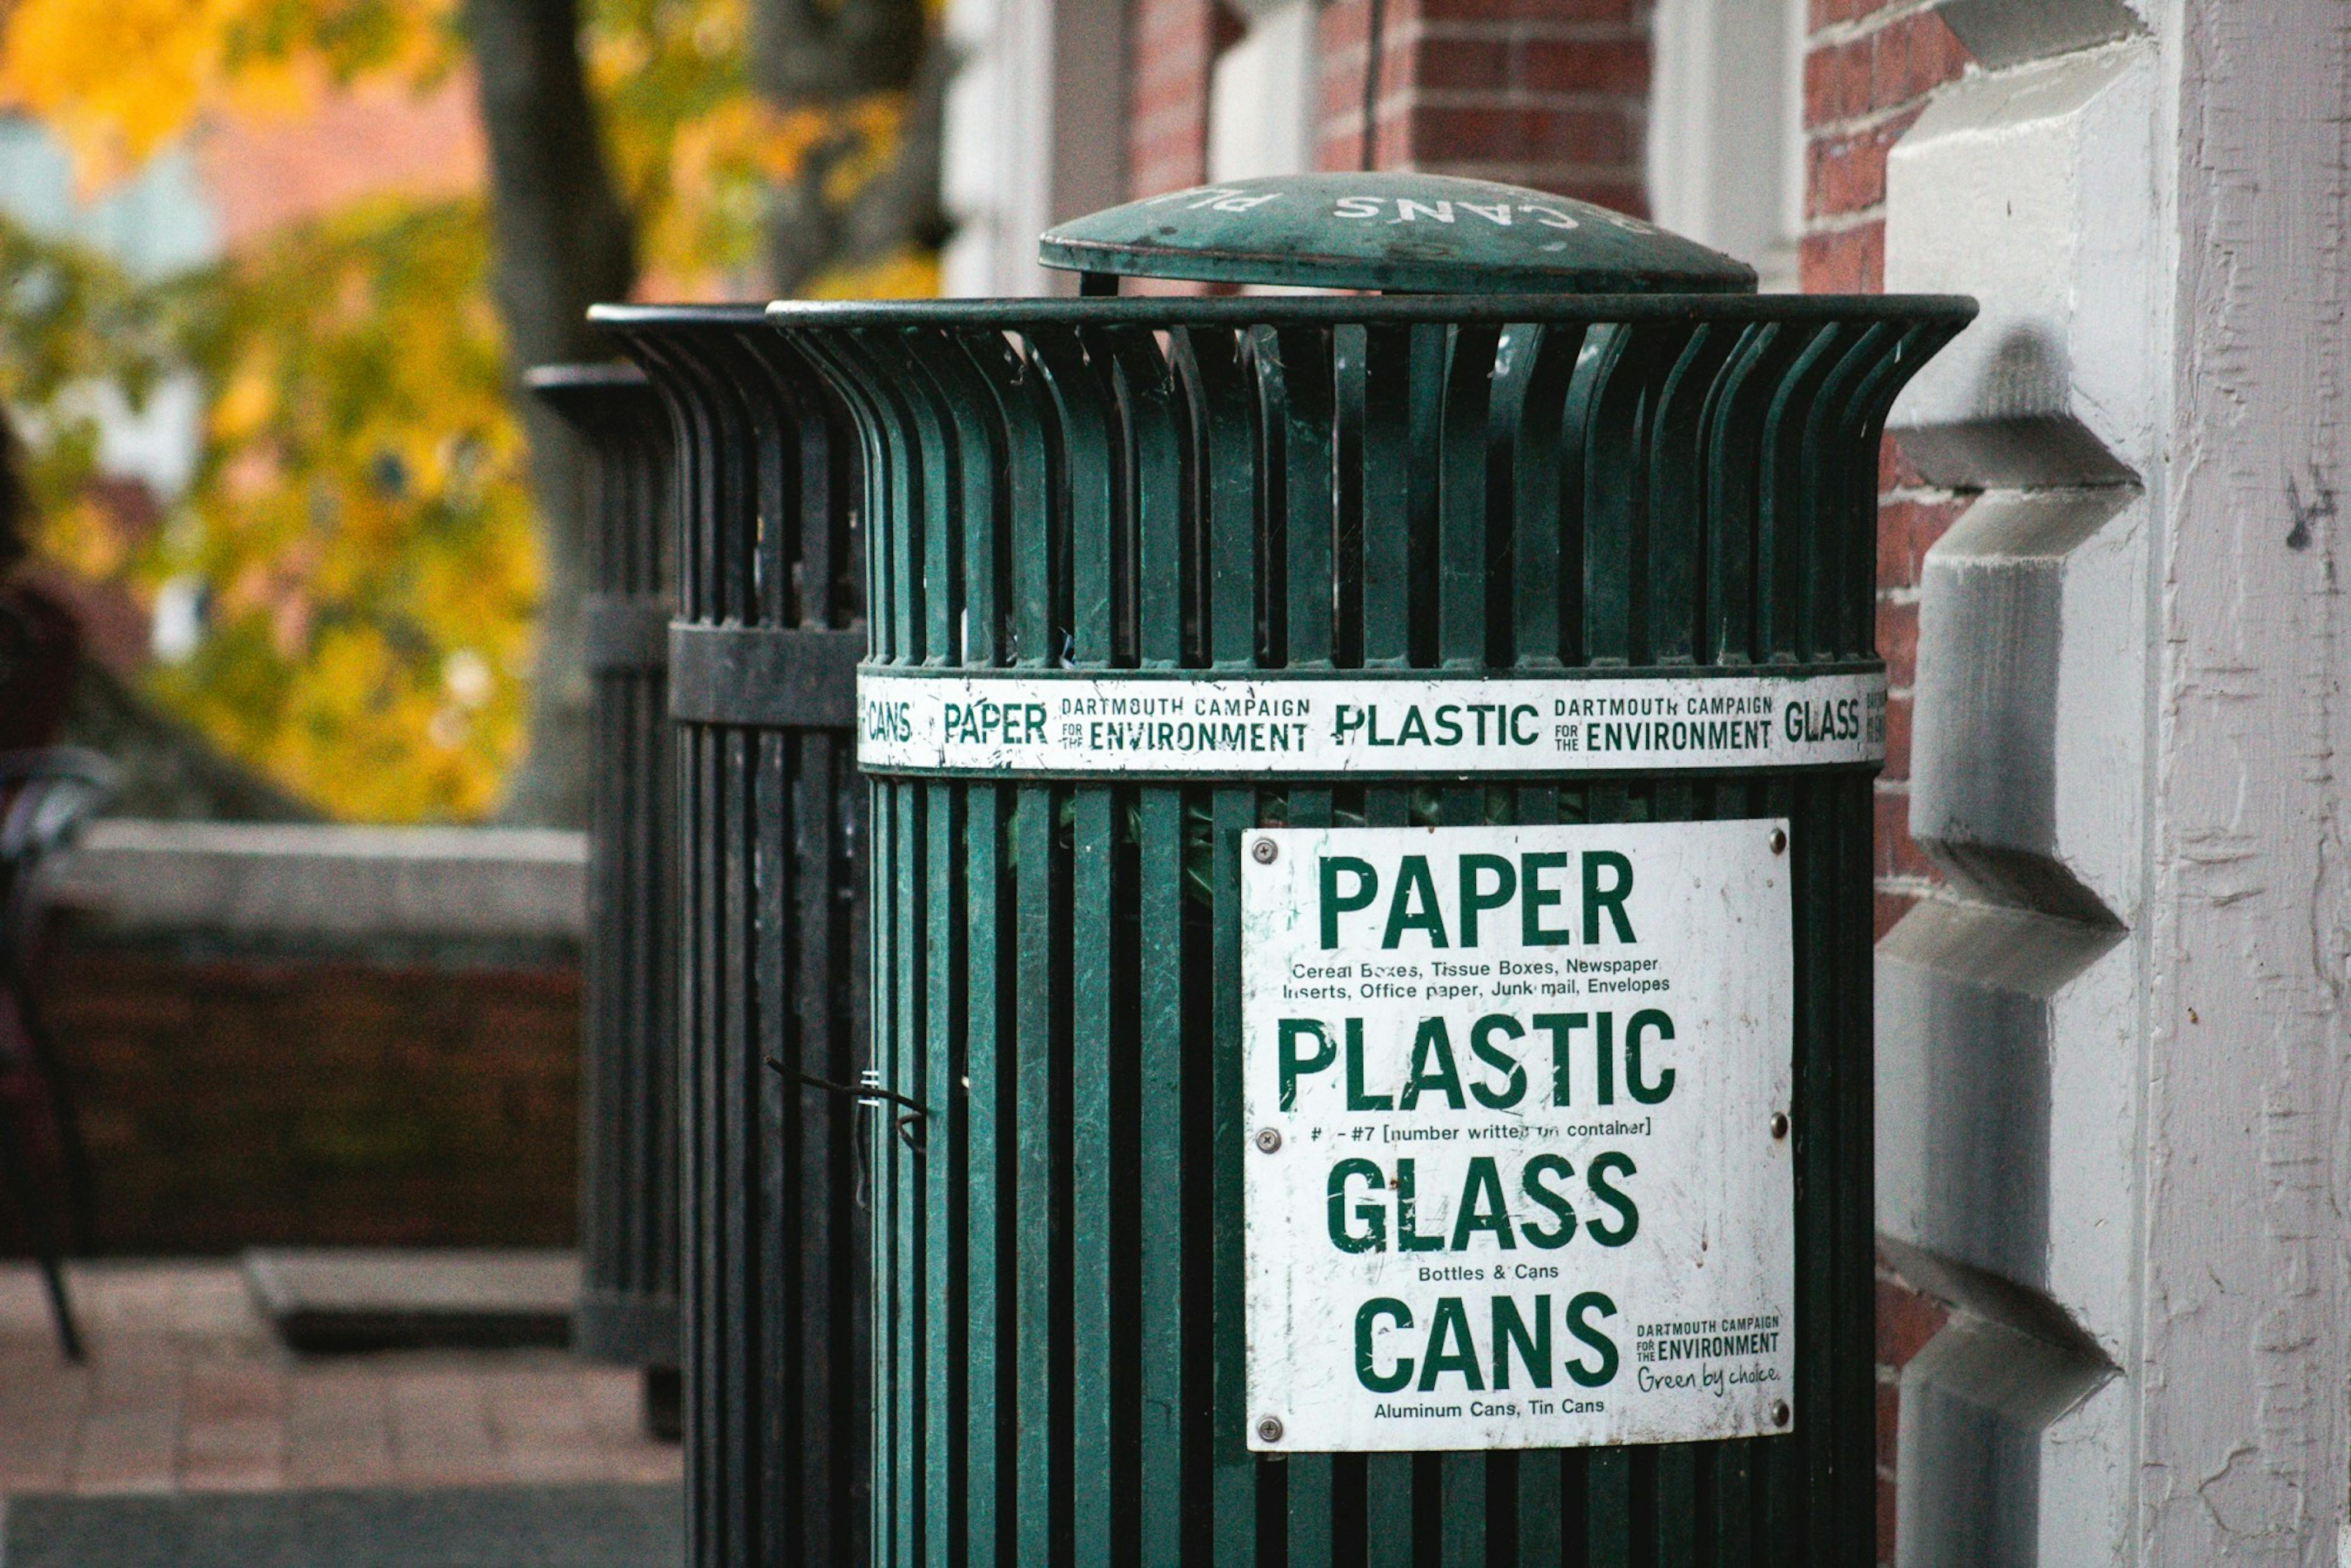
<point>1270,1429</point>
<point>1268,1140</point>
<point>1779,1412</point>
<point>1778,1124</point>
<point>1779,842</point>
<point>1265,850</point>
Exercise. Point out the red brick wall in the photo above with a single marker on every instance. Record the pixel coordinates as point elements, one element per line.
<point>1869,69</point>
<point>1906,1321</point>
<point>1867,73</point>
<point>1548,93</point>
<point>266,169</point>
<point>231,1100</point>
<point>1175,45</point>
<point>1551,93</point>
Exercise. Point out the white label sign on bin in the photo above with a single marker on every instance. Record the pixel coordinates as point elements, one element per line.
<point>1169,724</point>
<point>1516,1163</point>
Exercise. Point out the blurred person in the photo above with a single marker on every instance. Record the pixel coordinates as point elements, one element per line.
<point>40,639</point>
<point>40,654</point>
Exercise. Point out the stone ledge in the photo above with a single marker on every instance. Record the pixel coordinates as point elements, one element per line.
<point>252,880</point>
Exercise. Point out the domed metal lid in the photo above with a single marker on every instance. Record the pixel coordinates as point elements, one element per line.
<point>1416,234</point>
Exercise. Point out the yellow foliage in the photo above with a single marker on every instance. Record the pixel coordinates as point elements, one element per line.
<point>695,150</point>
<point>83,539</point>
<point>687,136</point>
<point>119,78</point>
<point>359,513</point>
<point>245,403</point>
<point>903,274</point>
<point>387,538</point>
<point>867,137</point>
<point>63,61</point>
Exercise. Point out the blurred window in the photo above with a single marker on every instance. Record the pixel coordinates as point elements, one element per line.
<point>1263,95</point>
<point>1726,127</point>
<point>157,223</point>
<point>1036,133</point>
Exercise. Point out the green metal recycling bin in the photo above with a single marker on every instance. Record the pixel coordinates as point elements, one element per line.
<point>1371,818</point>
<point>770,917</point>
<point>627,1311</point>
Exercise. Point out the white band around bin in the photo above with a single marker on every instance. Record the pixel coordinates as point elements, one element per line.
<point>1180,724</point>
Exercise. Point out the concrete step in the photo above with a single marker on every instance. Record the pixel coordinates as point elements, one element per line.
<point>354,1299</point>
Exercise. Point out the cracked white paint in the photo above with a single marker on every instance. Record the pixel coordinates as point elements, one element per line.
<point>2243,1430</point>
<point>2175,1177</point>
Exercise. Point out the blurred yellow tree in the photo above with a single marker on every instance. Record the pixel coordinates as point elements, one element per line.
<point>359,515</point>
<point>119,78</point>
<point>360,519</point>
<point>697,149</point>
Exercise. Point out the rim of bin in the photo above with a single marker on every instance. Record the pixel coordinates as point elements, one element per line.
<point>595,374</point>
<point>592,398</point>
<point>616,314</point>
<point>1340,310</point>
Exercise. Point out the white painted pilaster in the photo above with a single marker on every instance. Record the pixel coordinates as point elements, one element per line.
<point>2242,1449</point>
<point>1036,134</point>
<point>1264,95</point>
<point>1727,146</point>
<point>2115,1050</point>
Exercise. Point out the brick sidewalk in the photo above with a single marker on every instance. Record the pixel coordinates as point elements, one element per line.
<point>186,1390</point>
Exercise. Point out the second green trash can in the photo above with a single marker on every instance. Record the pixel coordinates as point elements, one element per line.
<point>1371,891</point>
<point>770,920</point>
<point>627,1311</point>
